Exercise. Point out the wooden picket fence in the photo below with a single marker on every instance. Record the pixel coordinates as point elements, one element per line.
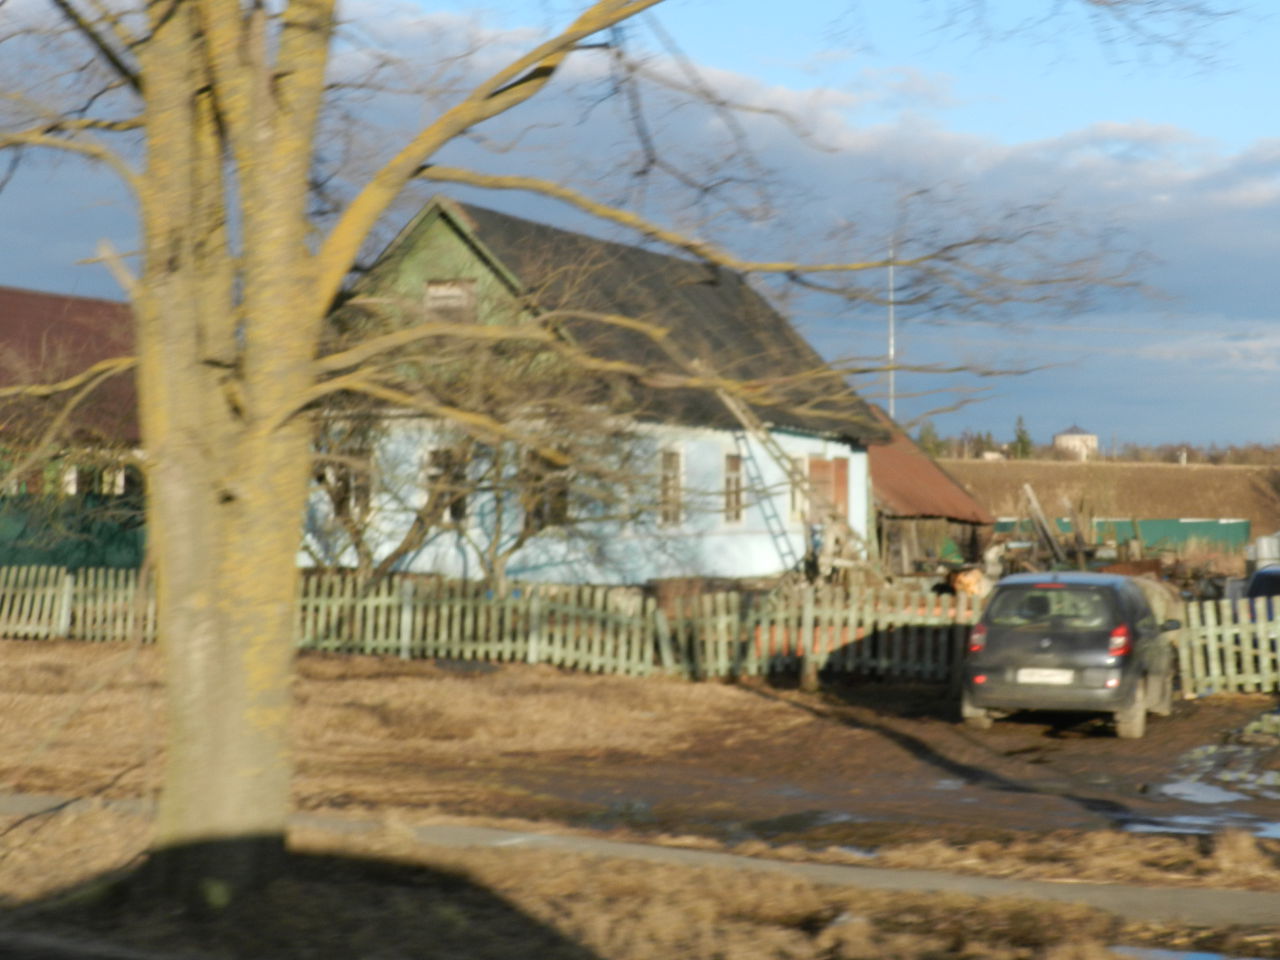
<point>891,634</point>
<point>91,604</point>
<point>894,634</point>
<point>585,628</point>
<point>1230,646</point>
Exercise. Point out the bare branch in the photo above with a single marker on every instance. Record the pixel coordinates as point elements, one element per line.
<point>479,423</point>
<point>88,381</point>
<point>99,371</point>
<point>85,148</point>
<point>367,349</point>
<point>646,227</point>
<point>99,42</point>
<point>506,89</point>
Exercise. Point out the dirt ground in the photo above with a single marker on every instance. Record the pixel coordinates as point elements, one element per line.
<point>855,770</point>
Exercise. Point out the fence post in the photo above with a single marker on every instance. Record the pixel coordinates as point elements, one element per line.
<point>662,633</point>
<point>405,626</point>
<point>536,626</point>
<point>809,639</point>
<point>64,604</point>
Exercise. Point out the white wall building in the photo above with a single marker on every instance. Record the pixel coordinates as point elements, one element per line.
<point>1076,443</point>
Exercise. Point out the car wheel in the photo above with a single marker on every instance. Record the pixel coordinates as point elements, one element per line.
<point>1131,721</point>
<point>979,718</point>
<point>1163,704</point>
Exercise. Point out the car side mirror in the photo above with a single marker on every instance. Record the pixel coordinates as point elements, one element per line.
<point>1170,625</point>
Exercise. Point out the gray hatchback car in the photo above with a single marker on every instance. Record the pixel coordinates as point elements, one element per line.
<point>1069,641</point>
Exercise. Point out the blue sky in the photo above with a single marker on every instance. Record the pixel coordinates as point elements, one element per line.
<point>1180,154</point>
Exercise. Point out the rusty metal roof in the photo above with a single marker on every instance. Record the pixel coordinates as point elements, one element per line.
<point>46,337</point>
<point>908,483</point>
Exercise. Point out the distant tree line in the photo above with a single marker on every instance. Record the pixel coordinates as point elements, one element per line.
<point>977,445</point>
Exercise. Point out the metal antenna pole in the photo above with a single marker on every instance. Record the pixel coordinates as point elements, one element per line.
<point>893,352</point>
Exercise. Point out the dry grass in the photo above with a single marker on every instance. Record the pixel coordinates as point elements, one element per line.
<point>382,895</point>
<point>1230,860</point>
<point>90,716</point>
<point>435,745</point>
<point>348,700</point>
<point>1111,489</point>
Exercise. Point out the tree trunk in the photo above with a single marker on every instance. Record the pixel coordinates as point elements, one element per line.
<point>227,629</point>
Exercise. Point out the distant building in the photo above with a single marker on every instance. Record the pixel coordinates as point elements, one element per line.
<point>1076,443</point>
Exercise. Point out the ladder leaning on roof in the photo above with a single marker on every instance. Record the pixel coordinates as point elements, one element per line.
<point>773,521</point>
<point>840,542</point>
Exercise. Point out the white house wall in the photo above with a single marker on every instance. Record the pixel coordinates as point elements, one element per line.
<point>703,544</point>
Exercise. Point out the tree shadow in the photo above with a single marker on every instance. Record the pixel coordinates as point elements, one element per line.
<point>968,773</point>
<point>316,905</point>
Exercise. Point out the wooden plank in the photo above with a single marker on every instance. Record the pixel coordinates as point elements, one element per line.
<point>1183,647</point>
<point>6,597</point>
<point>1247,642</point>
<point>1212,660</point>
<point>596,634</point>
<point>1229,645</point>
<point>404,620</point>
<point>663,638</point>
<point>1270,644</point>
<point>18,614</point>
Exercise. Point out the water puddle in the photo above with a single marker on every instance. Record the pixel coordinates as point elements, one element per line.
<point>1196,791</point>
<point>1214,777</point>
<point>1155,953</point>
<point>801,822</point>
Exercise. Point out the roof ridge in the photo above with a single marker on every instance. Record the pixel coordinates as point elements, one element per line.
<point>53,295</point>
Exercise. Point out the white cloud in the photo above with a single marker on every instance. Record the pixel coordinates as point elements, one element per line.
<point>1209,218</point>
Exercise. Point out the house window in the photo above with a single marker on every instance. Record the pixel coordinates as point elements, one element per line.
<point>82,481</point>
<point>348,484</point>
<point>670,493</point>
<point>829,483</point>
<point>732,488</point>
<point>451,301</point>
<point>544,492</point>
<point>446,479</point>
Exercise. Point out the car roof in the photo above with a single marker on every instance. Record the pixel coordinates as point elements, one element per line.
<point>1066,577</point>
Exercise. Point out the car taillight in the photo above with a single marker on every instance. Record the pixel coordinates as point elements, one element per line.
<point>1120,643</point>
<point>978,638</point>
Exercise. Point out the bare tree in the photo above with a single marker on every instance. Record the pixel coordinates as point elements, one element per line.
<point>210,113</point>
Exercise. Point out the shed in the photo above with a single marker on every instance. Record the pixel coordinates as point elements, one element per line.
<point>922,513</point>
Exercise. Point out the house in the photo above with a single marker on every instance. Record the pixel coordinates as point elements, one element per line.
<point>79,504</point>
<point>707,495</point>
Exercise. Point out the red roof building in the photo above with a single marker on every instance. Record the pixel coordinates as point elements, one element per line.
<point>48,337</point>
<point>919,505</point>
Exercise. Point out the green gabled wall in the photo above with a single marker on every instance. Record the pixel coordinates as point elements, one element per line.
<point>437,246</point>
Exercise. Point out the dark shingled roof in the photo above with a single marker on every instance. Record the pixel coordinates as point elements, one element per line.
<point>46,337</point>
<point>712,315</point>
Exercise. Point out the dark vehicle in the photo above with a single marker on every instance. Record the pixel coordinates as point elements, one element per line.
<point>1069,641</point>
<point>1264,585</point>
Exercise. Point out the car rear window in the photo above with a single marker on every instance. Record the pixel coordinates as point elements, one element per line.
<point>1065,607</point>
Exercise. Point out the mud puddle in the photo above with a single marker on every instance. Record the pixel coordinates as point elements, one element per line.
<point>1234,785</point>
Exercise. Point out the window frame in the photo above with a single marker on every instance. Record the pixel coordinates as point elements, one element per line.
<point>734,488</point>
<point>463,309</point>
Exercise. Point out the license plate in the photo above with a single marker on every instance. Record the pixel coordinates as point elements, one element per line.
<point>1036,675</point>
